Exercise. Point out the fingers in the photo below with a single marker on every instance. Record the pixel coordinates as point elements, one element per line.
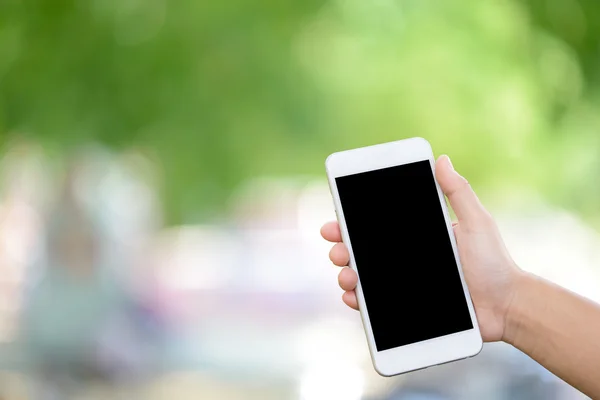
<point>350,299</point>
<point>331,232</point>
<point>339,255</point>
<point>348,279</point>
<point>462,198</point>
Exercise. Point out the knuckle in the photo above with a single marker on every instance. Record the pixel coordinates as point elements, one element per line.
<point>484,222</point>
<point>487,219</point>
<point>463,184</point>
<point>332,252</point>
<point>341,275</point>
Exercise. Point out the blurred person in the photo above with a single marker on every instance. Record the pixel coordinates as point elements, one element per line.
<point>79,323</point>
<point>557,328</point>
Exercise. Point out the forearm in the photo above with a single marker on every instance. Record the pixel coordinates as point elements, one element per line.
<point>559,329</point>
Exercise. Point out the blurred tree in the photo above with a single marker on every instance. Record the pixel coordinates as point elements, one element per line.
<point>219,92</point>
<point>210,88</point>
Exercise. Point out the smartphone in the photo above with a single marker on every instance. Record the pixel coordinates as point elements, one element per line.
<point>415,305</point>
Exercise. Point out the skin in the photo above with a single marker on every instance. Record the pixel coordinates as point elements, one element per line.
<point>557,328</point>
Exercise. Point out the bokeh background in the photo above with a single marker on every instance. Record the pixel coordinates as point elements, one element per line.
<point>162,184</point>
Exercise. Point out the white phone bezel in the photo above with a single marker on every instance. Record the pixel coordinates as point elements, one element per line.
<point>429,352</point>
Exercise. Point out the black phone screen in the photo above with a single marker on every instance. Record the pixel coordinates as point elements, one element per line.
<point>403,254</point>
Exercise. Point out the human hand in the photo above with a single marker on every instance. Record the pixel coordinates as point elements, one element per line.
<point>489,270</point>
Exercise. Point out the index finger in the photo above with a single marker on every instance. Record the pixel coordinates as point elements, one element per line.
<point>331,232</point>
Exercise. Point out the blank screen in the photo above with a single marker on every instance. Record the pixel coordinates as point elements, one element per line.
<point>403,254</point>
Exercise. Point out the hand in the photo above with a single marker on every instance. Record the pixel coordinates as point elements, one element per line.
<point>490,272</point>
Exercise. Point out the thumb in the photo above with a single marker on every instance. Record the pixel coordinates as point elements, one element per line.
<point>463,200</point>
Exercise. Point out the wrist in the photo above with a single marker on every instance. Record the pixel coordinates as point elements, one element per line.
<point>515,316</point>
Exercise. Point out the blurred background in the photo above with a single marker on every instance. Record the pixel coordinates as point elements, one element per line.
<point>162,184</point>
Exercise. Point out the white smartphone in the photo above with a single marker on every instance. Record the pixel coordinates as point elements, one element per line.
<point>415,306</point>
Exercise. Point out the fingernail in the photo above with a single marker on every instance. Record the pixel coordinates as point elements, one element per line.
<point>450,163</point>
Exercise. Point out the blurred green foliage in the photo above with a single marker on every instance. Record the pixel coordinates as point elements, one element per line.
<point>222,91</point>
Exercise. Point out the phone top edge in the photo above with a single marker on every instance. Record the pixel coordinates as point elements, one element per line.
<point>372,146</point>
<point>377,156</point>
